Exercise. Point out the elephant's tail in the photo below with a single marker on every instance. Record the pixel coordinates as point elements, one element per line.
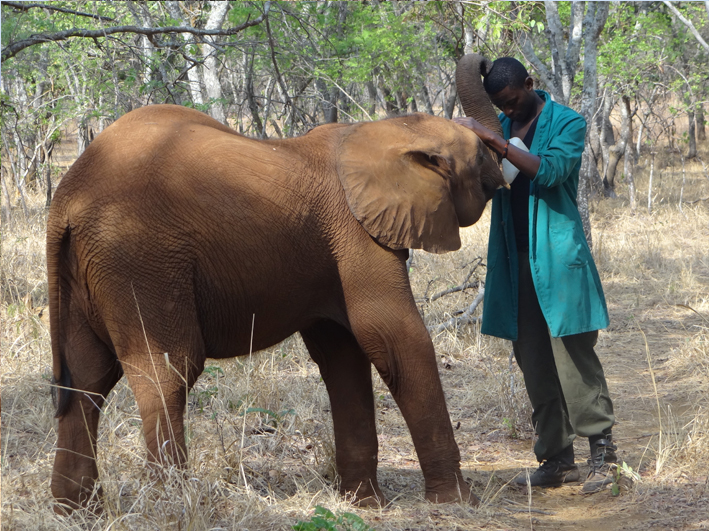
<point>58,254</point>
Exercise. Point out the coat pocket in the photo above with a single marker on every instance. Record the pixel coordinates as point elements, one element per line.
<point>569,245</point>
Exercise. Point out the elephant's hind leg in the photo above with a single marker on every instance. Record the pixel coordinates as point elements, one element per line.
<point>348,378</point>
<point>162,353</point>
<point>160,381</point>
<point>91,369</point>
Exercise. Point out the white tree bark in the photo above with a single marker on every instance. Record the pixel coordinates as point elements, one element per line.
<point>193,74</point>
<point>593,22</point>
<point>559,76</point>
<point>211,65</point>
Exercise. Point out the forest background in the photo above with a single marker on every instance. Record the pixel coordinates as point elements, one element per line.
<point>637,71</point>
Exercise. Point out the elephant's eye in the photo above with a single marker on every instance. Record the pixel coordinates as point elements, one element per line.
<point>432,159</point>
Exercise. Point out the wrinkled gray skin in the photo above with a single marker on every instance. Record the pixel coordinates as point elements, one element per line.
<point>475,101</point>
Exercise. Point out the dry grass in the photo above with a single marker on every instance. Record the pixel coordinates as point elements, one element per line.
<point>259,429</point>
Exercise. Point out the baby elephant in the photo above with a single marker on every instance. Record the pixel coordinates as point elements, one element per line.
<point>172,231</point>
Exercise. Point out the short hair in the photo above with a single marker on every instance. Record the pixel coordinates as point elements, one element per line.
<point>505,72</point>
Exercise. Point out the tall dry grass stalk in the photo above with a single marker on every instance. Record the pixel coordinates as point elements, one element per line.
<point>259,433</point>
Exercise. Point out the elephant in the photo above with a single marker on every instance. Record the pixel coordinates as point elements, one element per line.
<point>172,234</point>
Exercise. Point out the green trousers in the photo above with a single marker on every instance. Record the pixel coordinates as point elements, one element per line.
<point>563,376</point>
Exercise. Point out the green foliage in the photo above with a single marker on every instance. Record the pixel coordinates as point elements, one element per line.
<point>624,477</point>
<point>325,520</point>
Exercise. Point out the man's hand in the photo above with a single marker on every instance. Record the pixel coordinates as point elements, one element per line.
<point>524,161</point>
<point>489,137</point>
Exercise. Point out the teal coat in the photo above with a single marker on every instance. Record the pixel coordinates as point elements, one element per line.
<point>565,276</point>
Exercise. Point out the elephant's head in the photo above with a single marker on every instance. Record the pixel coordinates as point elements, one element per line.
<point>412,181</point>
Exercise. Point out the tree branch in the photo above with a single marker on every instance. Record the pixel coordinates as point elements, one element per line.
<point>14,48</point>
<point>22,6</point>
<point>549,80</point>
<point>688,23</point>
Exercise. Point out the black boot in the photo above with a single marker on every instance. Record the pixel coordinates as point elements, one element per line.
<point>603,454</point>
<point>554,471</point>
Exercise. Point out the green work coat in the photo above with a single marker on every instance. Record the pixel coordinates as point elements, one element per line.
<point>565,277</point>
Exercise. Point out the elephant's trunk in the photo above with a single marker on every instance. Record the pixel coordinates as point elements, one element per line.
<point>475,101</point>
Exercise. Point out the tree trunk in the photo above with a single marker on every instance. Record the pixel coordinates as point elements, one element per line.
<point>583,195</point>
<point>389,101</point>
<point>372,94</point>
<point>217,14</point>
<point>649,184</point>
<point>594,22</point>
<point>450,101</point>
<point>692,136</point>
<point>250,97</point>
<point>701,131</point>
<point>426,98</point>
<point>628,168</point>
<point>329,101</point>
<point>193,75</point>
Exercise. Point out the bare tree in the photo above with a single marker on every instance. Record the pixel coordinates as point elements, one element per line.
<point>594,21</point>
<point>210,67</point>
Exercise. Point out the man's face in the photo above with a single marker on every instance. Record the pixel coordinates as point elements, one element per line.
<point>518,104</point>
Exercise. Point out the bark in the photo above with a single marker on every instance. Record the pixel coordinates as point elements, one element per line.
<point>145,46</point>
<point>467,30</point>
<point>372,94</point>
<point>619,149</point>
<point>692,136</point>
<point>250,97</point>
<point>594,21</point>
<point>390,104</point>
<point>701,130</point>
<point>426,97</point>
<point>402,101</point>
<point>193,74</point>
<point>26,6</point>
<point>450,101</point>
<point>582,196</point>
<point>329,101</point>
<point>560,77</point>
<point>649,185</point>
<point>628,169</point>
<point>210,67</point>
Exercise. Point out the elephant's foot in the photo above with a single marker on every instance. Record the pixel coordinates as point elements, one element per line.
<point>82,498</point>
<point>460,491</point>
<point>366,494</point>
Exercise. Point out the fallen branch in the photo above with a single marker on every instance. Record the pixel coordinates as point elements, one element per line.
<point>529,510</point>
<point>462,287</point>
<point>455,289</point>
<point>465,318</point>
<point>696,200</point>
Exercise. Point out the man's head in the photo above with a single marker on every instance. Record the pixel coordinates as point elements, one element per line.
<point>511,89</point>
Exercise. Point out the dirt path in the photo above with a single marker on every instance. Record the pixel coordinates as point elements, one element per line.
<point>660,502</point>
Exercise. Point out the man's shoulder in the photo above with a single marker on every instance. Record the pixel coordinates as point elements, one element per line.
<point>563,112</point>
<point>566,112</point>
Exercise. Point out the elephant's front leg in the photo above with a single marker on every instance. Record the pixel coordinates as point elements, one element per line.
<point>390,330</point>
<point>348,377</point>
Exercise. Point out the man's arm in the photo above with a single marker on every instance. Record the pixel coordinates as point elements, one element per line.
<point>563,152</point>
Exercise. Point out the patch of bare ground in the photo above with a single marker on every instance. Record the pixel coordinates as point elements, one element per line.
<point>259,429</point>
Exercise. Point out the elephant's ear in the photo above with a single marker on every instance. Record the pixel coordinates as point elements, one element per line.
<point>397,186</point>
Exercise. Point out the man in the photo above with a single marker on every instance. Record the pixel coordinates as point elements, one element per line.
<point>542,289</point>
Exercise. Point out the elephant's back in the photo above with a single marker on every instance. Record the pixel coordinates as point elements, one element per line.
<point>165,198</point>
